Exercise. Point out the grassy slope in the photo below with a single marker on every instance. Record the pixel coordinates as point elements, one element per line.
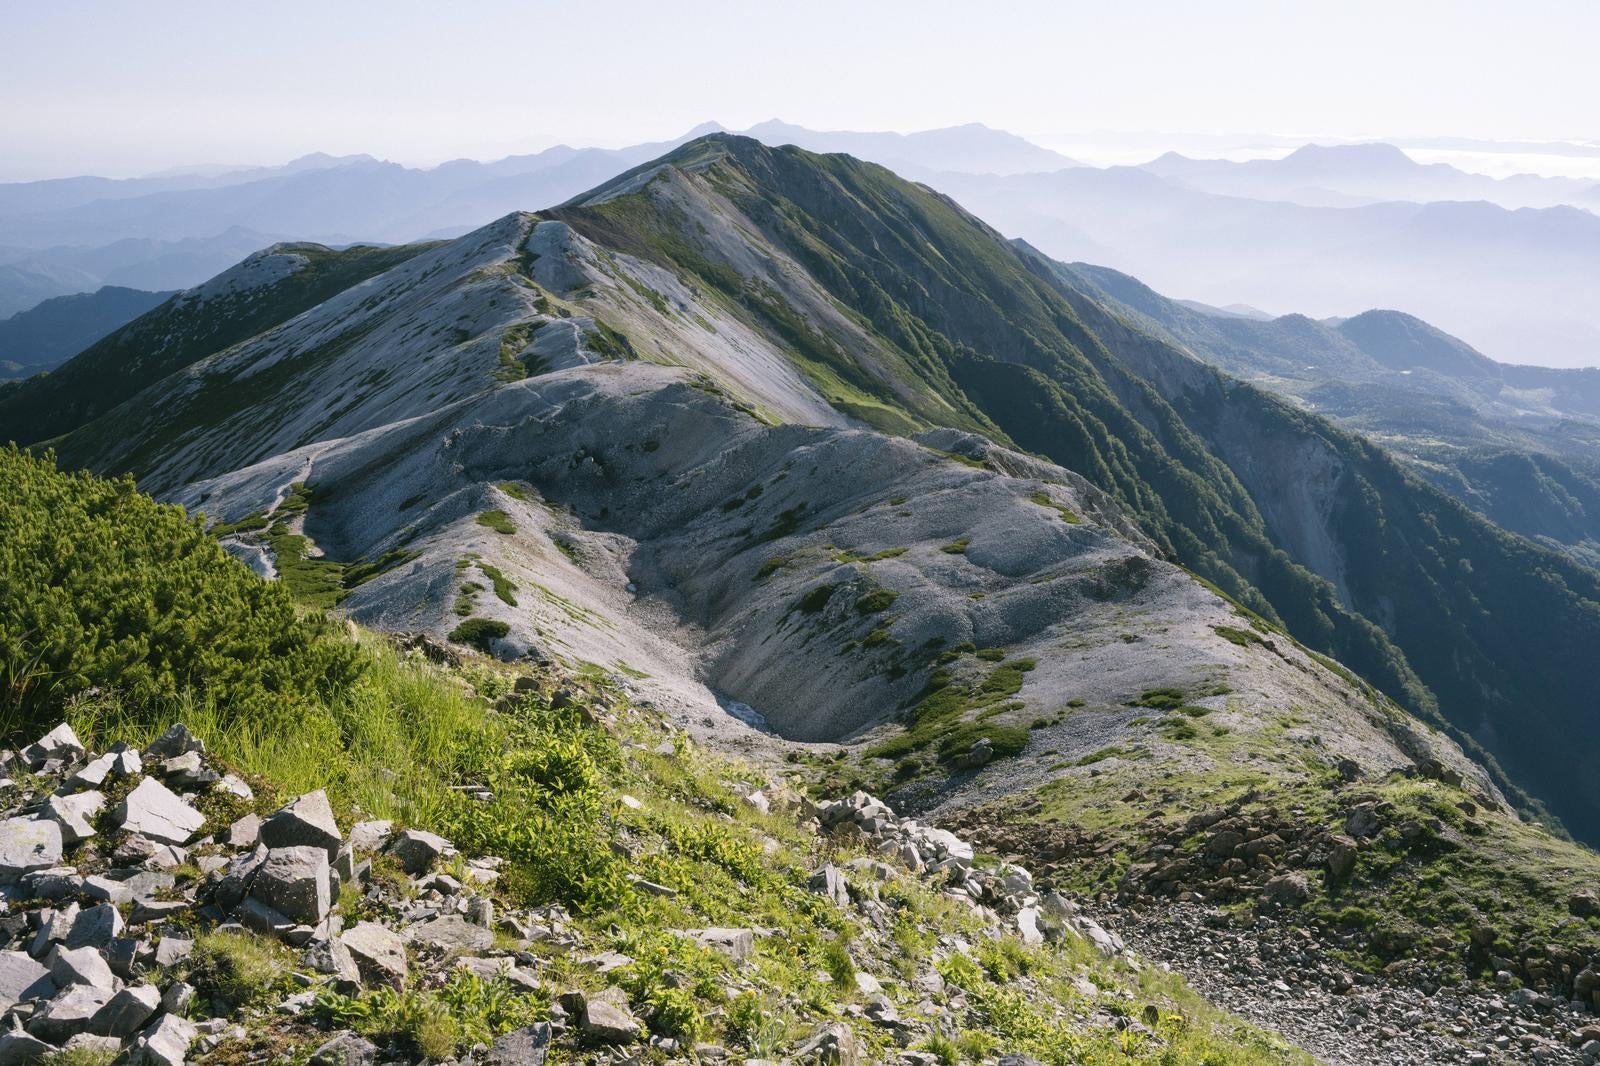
<point>400,736</point>
<point>173,336</point>
<point>1419,896</point>
<point>558,779</point>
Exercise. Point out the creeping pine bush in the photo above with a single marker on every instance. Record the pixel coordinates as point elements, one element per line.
<point>100,586</point>
<point>550,818</point>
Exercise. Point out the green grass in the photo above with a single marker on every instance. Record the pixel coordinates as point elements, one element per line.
<point>512,341</point>
<point>956,547</point>
<point>496,520</point>
<point>1244,638</point>
<point>504,587</point>
<point>239,968</point>
<point>480,633</point>
<point>1043,499</point>
<point>556,777</point>
<point>876,600</point>
<point>950,715</point>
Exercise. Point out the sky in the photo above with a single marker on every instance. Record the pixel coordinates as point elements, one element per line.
<point>115,88</point>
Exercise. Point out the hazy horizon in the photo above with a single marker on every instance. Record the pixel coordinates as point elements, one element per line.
<point>108,89</point>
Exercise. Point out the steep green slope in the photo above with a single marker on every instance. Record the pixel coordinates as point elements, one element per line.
<point>261,292</point>
<point>1464,423</point>
<point>1494,626</point>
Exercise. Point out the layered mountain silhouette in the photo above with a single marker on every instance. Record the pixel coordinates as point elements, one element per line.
<point>1345,175</point>
<point>1327,231</point>
<point>59,328</point>
<point>1516,443</point>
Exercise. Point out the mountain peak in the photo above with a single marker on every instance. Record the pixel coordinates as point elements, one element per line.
<point>1347,157</point>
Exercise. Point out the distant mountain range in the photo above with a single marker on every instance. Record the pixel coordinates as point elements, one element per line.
<point>174,230</point>
<point>1510,264</point>
<point>59,328</point>
<point>1519,285</point>
<point>1349,175</point>
<point>28,277</point>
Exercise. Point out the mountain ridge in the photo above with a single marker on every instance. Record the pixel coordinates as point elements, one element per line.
<point>837,475</point>
<point>923,365</point>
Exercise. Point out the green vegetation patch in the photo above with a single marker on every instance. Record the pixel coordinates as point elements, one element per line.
<point>815,600</point>
<point>480,633</point>
<point>102,587</point>
<point>504,587</point>
<point>1043,499</point>
<point>876,599</point>
<point>948,716</point>
<point>1244,638</point>
<point>608,343</point>
<point>496,520</point>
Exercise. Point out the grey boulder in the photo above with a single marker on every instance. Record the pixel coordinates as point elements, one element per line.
<point>528,1046</point>
<point>166,1043</point>
<point>71,1012</point>
<point>75,813</point>
<point>294,881</point>
<point>176,741</point>
<point>379,954</point>
<point>155,812</point>
<point>306,822</point>
<point>19,1049</point>
<point>80,966</point>
<point>26,845</point>
<point>830,882</point>
<point>22,980</point>
<point>60,743</point>
<point>451,932</point>
<point>417,851</point>
<point>345,1049</point>
<point>127,1012</point>
<point>606,1019</point>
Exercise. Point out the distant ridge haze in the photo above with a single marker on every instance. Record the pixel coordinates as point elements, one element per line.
<point>1509,264</point>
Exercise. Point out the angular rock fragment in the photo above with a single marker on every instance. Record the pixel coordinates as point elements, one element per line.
<point>294,881</point>
<point>127,1012</point>
<point>26,845</point>
<point>22,980</point>
<point>345,1049</point>
<point>528,1046</point>
<point>417,851</point>
<point>379,953</point>
<point>306,822</point>
<point>175,741</point>
<point>60,744</point>
<point>155,812</point>
<point>606,1019</point>
<point>69,1013</point>
<point>166,1043</point>
<point>79,966</point>
<point>75,813</point>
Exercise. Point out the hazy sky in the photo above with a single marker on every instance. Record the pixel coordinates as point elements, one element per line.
<point>121,88</point>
